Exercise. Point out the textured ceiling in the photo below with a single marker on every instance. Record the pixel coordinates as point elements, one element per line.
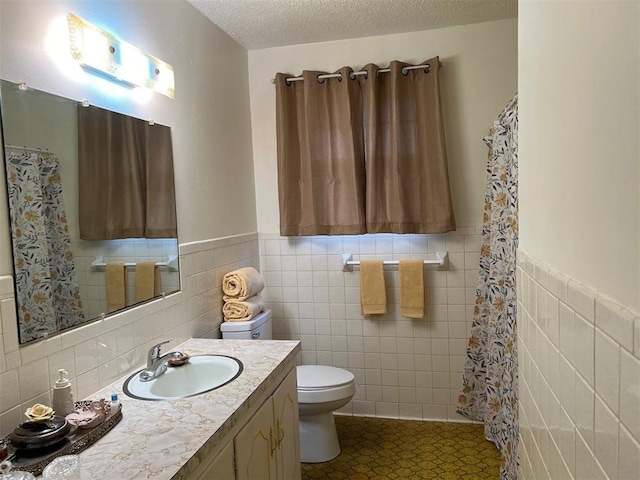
<point>259,24</point>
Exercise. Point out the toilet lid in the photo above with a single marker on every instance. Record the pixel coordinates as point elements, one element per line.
<point>322,376</point>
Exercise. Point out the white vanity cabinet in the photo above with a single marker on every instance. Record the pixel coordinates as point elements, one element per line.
<point>222,467</point>
<point>256,446</point>
<point>285,412</point>
<point>267,446</point>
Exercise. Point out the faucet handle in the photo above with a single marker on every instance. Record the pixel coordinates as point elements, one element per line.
<point>154,352</point>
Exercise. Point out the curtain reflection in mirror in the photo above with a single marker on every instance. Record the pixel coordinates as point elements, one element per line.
<point>125,168</point>
<point>47,290</point>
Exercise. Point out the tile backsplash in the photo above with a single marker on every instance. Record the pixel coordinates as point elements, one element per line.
<point>579,362</point>
<point>404,368</point>
<point>99,353</point>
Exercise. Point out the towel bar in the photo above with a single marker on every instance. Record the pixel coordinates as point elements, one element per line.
<point>171,263</point>
<point>441,261</point>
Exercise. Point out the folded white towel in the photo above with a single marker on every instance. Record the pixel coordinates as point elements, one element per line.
<point>241,284</point>
<point>243,310</point>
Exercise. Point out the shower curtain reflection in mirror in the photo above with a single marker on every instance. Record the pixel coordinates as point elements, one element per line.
<point>47,290</point>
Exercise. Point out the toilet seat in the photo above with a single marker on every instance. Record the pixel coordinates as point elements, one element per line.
<point>321,383</point>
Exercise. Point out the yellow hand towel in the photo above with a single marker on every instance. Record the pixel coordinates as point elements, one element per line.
<point>373,296</point>
<point>412,288</point>
<point>243,310</point>
<point>116,286</point>
<point>145,280</point>
<point>241,284</point>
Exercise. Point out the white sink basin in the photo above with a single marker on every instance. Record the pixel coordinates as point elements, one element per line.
<point>202,373</point>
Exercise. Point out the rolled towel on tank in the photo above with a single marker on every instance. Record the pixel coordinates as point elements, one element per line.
<point>241,284</point>
<point>243,310</point>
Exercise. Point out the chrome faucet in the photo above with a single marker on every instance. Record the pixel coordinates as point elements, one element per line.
<point>156,364</point>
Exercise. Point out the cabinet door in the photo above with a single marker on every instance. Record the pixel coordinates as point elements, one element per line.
<point>255,446</point>
<point>221,468</point>
<point>285,412</point>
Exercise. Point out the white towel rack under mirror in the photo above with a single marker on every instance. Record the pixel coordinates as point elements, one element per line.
<point>441,261</point>
<point>171,263</point>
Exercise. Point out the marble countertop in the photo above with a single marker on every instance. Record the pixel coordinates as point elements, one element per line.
<point>167,439</point>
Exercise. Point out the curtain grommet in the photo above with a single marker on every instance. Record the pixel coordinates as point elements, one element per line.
<point>352,76</point>
<point>320,80</point>
<point>340,78</point>
<point>404,71</point>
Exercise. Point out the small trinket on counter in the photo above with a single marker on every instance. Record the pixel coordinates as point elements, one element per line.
<point>115,403</point>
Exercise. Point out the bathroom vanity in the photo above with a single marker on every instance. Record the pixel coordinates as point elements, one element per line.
<point>247,429</point>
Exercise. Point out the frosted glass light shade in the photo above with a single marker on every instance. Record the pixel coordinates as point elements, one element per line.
<point>97,49</point>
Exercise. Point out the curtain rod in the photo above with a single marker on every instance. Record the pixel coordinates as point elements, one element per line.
<point>360,72</point>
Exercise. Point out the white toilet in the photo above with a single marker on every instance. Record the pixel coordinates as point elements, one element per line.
<point>321,390</point>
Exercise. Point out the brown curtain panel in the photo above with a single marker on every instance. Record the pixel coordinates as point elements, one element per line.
<point>407,180</point>
<point>161,221</point>
<point>321,177</point>
<point>126,180</point>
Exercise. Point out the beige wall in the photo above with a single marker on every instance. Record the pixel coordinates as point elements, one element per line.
<point>579,151</point>
<point>209,116</point>
<point>478,79</point>
<point>579,270</point>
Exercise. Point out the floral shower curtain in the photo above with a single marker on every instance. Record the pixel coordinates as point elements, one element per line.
<point>490,381</point>
<point>47,291</point>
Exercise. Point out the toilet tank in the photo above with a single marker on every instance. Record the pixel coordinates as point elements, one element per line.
<point>258,328</point>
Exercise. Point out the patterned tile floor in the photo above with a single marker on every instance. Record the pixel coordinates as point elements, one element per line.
<point>381,449</point>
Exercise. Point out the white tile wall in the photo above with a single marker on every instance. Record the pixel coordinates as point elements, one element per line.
<point>99,353</point>
<point>579,379</point>
<point>404,368</point>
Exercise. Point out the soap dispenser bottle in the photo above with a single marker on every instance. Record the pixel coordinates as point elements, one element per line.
<point>62,396</point>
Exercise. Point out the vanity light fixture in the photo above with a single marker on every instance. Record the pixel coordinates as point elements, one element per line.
<point>97,49</point>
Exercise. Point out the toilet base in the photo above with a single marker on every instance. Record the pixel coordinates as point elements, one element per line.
<point>318,438</point>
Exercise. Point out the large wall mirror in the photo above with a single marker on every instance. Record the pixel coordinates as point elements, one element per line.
<point>92,210</point>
